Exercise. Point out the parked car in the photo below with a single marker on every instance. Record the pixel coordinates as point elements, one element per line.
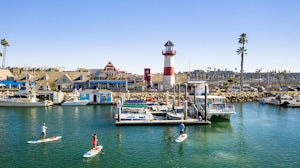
<point>153,90</point>
<point>253,89</point>
<point>2,85</point>
<point>287,88</point>
<point>261,88</point>
<point>297,88</point>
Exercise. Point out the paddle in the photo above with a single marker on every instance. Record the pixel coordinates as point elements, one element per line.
<point>102,151</point>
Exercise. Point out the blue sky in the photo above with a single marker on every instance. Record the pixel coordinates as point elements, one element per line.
<point>132,33</point>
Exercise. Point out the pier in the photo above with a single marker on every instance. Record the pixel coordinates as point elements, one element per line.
<point>162,122</point>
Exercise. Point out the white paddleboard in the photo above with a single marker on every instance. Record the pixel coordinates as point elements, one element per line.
<point>93,151</point>
<point>181,138</point>
<point>53,138</point>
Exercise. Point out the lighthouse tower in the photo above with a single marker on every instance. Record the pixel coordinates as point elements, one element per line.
<point>169,76</point>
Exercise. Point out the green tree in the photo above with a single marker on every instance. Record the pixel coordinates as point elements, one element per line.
<point>242,51</point>
<point>5,44</point>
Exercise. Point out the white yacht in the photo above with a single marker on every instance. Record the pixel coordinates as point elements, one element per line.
<point>133,110</point>
<point>176,114</point>
<point>136,116</point>
<point>25,97</point>
<point>215,105</point>
<point>73,100</point>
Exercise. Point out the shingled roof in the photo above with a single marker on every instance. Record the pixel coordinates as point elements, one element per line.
<point>4,73</point>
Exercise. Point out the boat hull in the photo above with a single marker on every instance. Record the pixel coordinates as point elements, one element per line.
<point>81,103</point>
<point>174,116</point>
<point>136,116</point>
<point>226,116</point>
<point>22,104</point>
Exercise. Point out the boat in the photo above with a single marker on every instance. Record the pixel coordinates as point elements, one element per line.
<point>295,102</point>
<point>176,114</point>
<point>266,100</point>
<point>281,100</point>
<point>136,116</point>
<point>93,151</point>
<point>73,100</point>
<point>25,97</point>
<point>215,105</point>
<point>53,138</point>
<point>155,106</point>
<point>133,110</point>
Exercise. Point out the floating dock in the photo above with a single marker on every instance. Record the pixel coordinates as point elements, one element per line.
<point>162,122</point>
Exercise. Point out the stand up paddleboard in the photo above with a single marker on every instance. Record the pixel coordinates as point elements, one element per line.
<point>181,137</point>
<point>53,138</point>
<point>93,151</point>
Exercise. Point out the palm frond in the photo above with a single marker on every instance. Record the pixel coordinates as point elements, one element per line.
<point>4,43</point>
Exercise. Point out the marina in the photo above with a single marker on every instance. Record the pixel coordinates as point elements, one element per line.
<point>256,136</point>
<point>152,84</point>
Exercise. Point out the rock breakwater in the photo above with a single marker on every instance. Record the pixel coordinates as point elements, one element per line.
<point>230,96</point>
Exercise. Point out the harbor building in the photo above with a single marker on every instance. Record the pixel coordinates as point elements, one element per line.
<point>97,96</point>
<point>147,78</point>
<point>109,78</point>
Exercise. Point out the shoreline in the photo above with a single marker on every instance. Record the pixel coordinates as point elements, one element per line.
<point>231,97</point>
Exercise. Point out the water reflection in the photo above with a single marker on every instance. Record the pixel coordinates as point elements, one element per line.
<point>180,149</point>
<point>119,135</point>
<point>43,148</point>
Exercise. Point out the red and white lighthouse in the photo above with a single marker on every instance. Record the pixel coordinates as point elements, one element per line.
<point>169,75</point>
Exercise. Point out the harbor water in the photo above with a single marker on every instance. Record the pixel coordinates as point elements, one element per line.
<point>257,136</point>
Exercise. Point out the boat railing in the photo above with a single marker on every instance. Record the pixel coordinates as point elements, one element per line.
<point>222,108</point>
<point>133,109</point>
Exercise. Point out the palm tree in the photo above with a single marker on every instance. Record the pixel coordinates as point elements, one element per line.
<point>258,72</point>
<point>285,74</point>
<point>5,44</point>
<point>242,51</point>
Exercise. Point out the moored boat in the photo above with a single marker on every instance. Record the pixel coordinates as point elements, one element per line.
<point>295,102</point>
<point>216,106</point>
<point>176,114</point>
<point>133,110</point>
<point>73,100</point>
<point>136,116</point>
<point>25,97</point>
<point>209,105</point>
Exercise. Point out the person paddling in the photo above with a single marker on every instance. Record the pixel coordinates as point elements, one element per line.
<point>94,140</point>
<point>181,129</point>
<point>44,129</point>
